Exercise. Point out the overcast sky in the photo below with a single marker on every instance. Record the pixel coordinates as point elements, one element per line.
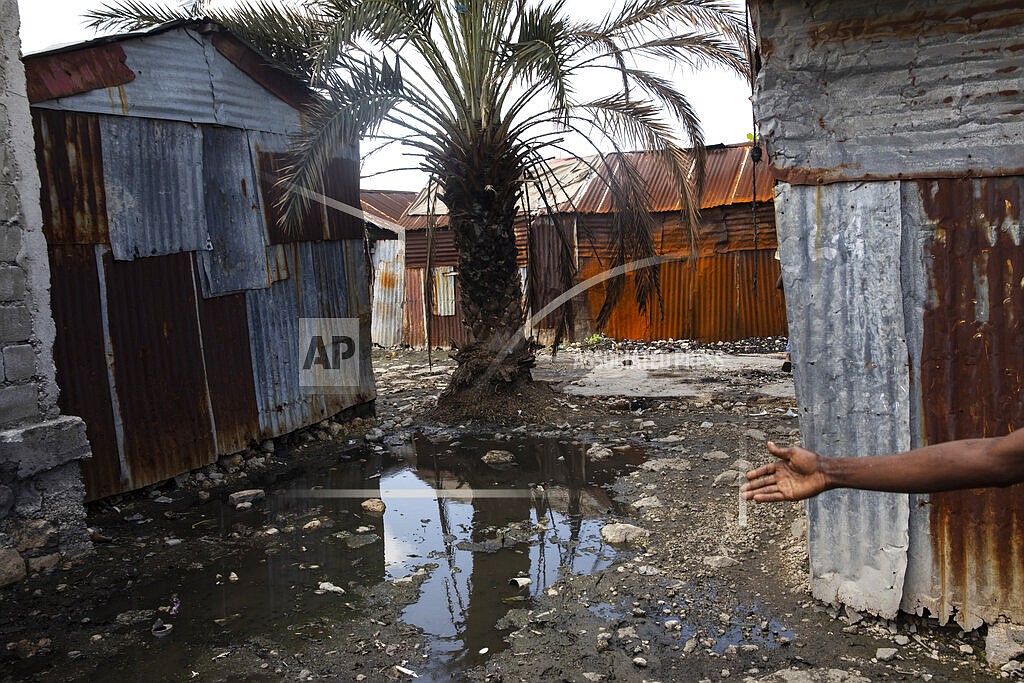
<point>721,99</point>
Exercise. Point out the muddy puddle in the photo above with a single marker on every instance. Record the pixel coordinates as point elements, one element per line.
<point>288,571</point>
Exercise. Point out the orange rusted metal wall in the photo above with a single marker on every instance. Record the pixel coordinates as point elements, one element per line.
<point>971,385</point>
<point>728,294</point>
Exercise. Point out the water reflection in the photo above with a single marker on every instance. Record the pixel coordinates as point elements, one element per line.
<point>482,526</point>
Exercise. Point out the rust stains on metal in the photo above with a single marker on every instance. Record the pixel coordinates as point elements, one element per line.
<point>70,164</point>
<point>727,181</point>
<point>63,74</point>
<point>158,373</point>
<point>445,253</point>
<point>224,326</point>
<point>285,87</point>
<point>986,16</point>
<point>270,167</point>
<point>971,369</point>
<point>391,205</point>
<point>79,355</point>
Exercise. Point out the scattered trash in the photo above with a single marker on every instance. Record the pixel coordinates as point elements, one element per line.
<point>172,541</point>
<point>97,537</point>
<point>232,577</point>
<point>484,650</point>
<point>160,629</point>
<point>328,587</point>
<point>221,655</point>
<point>789,413</point>
<point>520,581</point>
<point>310,526</point>
<point>407,672</point>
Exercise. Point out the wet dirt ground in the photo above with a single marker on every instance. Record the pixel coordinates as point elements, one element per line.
<point>303,582</point>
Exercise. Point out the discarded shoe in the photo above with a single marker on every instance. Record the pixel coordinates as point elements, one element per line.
<point>160,629</point>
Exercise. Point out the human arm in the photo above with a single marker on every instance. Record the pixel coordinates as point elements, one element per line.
<point>969,463</point>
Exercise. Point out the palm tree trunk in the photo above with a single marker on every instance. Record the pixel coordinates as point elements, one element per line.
<point>480,191</point>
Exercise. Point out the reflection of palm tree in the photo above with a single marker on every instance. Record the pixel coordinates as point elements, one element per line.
<point>450,584</point>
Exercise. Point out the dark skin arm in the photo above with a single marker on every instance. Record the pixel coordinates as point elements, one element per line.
<point>970,463</point>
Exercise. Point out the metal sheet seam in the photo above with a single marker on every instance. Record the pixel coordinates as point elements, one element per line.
<point>196,295</point>
<point>126,473</point>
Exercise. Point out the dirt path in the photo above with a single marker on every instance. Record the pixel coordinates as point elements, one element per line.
<point>302,585</point>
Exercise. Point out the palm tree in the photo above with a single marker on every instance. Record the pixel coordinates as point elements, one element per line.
<point>481,91</point>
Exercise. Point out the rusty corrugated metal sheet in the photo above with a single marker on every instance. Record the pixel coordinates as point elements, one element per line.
<point>317,288</point>
<point>442,297</point>
<point>391,205</point>
<point>445,253</point>
<point>69,73</point>
<point>342,185</point>
<point>263,71</point>
<point>717,301</point>
<point>389,291</point>
<point>923,89</point>
<point>158,367</point>
<point>234,221</point>
<point>153,172</point>
<point>444,329</point>
<point>70,162</point>
<point>79,354</point>
<point>206,86</point>
<point>971,369</point>
<point>229,376</point>
<point>727,181</point>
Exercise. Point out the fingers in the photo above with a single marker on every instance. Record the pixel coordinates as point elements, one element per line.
<point>767,492</point>
<point>762,471</point>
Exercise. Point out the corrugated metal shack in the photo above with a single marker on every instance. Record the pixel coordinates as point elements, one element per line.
<point>728,294</point>
<point>176,296</point>
<point>898,137</point>
<point>386,223</point>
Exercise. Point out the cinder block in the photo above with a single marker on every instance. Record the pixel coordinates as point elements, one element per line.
<point>19,362</point>
<point>19,402</point>
<point>10,238</point>
<point>15,324</point>
<point>12,283</point>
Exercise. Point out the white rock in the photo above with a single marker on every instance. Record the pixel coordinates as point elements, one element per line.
<point>598,452</point>
<point>618,534</point>
<point>373,505</point>
<point>886,654</point>
<point>729,478</point>
<point>720,561</point>
<point>901,640</point>
<point>707,425</point>
<point>755,434</point>
<point>1003,643</point>
<point>498,457</point>
<point>647,502</point>
<point>374,435</point>
<point>328,587</point>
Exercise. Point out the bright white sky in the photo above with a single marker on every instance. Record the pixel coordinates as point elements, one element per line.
<point>721,99</point>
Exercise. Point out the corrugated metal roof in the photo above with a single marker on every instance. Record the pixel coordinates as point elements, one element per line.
<point>841,255</point>
<point>154,186</point>
<point>70,161</point>
<point>206,86</point>
<point>70,73</point>
<point>233,216</point>
<point>391,206</point>
<point>575,185</point>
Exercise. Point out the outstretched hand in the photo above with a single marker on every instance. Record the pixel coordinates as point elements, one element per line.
<point>794,476</point>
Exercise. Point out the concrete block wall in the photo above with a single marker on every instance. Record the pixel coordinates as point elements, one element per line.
<point>42,518</point>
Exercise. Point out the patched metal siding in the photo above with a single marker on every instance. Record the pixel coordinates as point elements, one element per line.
<point>389,291</point>
<point>158,370</point>
<point>70,163</point>
<point>153,172</point>
<point>910,100</point>
<point>971,365</point>
<point>80,358</point>
<point>445,253</point>
<point>67,74</point>
<point>841,254</point>
<point>181,76</point>
<point>317,288</point>
<point>237,237</point>
<point>929,88</point>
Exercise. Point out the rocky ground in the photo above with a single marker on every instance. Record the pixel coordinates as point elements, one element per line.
<point>704,587</point>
